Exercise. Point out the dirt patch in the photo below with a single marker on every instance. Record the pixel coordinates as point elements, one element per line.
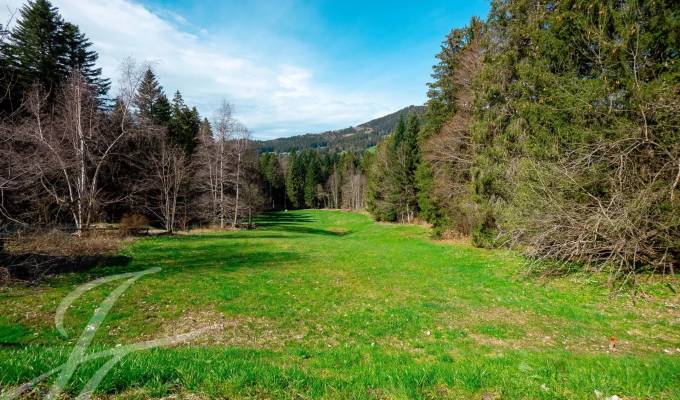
<point>529,341</point>
<point>230,330</point>
<point>143,394</point>
<point>339,230</point>
<point>523,329</point>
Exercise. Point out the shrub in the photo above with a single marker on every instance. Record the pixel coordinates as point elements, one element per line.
<point>133,223</point>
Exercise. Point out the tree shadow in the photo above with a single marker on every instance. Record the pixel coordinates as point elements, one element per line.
<point>206,252</point>
<point>309,231</point>
<point>282,218</point>
<point>285,222</point>
<point>32,267</point>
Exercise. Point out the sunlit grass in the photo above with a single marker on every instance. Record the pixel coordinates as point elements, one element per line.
<point>327,304</point>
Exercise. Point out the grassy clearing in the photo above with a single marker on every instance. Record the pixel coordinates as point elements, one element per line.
<point>325,304</point>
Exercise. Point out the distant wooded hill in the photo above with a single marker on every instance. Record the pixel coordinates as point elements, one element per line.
<point>355,138</point>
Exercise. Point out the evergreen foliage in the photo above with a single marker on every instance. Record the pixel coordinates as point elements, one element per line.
<point>392,181</point>
<point>184,124</point>
<point>152,104</point>
<point>552,127</point>
<point>42,50</point>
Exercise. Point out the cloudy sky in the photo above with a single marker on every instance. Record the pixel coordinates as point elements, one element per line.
<point>288,66</point>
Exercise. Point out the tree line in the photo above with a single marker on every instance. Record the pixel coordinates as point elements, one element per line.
<point>315,179</point>
<point>551,127</point>
<point>72,154</point>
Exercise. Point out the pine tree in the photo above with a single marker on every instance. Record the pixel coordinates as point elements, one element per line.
<point>151,103</point>
<point>311,180</point>
<point>35,49</point>
<point>378,200</point>
<point>402,160</point>
<point>295,180</point>
<point>78,56</point>
<point>43,49</point>
<point>271,172</point>
<point>184,124</point>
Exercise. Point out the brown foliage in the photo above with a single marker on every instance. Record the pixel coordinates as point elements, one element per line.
<point>449,153</point>
<point>58,243</point>
<point>132,223</point>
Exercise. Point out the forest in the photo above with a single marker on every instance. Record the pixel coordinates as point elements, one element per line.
<point>354,139</point>
<point>551,128</point>
<point>76,152</point>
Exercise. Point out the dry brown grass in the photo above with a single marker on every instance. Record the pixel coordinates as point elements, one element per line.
<point>456,238</point>
<point>58,243</point>
<point>239,331</point>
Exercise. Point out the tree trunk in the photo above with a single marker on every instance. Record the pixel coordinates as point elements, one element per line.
<point>238,173</point>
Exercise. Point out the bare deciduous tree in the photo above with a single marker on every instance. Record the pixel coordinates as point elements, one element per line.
<point>167,172</point>
<point>213,164</point>
<point>354,191</point>
<point>70,143</point>
<point>241,141</point>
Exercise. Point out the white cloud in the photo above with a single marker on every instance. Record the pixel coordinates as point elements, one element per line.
<point>274,96</point>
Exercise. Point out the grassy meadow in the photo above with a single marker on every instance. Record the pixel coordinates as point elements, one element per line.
<point>331,305</point>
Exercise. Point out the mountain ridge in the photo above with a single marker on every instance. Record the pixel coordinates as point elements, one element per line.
<point>353,138</point>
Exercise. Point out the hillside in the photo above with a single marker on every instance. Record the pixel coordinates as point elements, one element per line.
<point>358,137</point>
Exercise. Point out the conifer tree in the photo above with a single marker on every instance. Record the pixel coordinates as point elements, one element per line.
<point>311,180</point>
<point>35,49</point>
<point>271,172</point>
<point>295,180</point>
<point>184,124</point>
<point>152,104</point>
<point>42,49</point>
<point>78,56</point>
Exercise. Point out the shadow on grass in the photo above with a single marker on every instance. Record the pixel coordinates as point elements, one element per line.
<point>34,267</point>
<point>203,254</point>
<point>282,218</point>
<point>297,223</point>
<point>223,251</point>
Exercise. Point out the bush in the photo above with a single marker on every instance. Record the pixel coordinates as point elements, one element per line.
<point>133,223</point>
<point>58,243</point>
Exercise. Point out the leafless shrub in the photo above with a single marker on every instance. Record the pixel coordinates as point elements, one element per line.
<point>608,206</point>
<point>164,182</point>
<point>133,223</point>
<point>59,243</point>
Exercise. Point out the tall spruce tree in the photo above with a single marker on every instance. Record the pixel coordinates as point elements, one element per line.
<point>184,124</point>
<point>312,179</point>
<point>79,56</point>
<point>405,158</point>
<point>42,49</point>
<point>151,103</point>
<point>392,191</point>
<point>295,180</point>
<point>34,51</point>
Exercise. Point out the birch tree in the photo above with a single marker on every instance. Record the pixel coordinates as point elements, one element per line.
<point>241,142</point>
<point>213,162</point>
<point>167,174</point>
<point>71,142</point>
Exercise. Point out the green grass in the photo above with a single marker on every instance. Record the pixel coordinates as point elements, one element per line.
<point>327,304</point>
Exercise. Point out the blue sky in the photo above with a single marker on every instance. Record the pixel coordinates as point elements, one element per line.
<point>288,66</point>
